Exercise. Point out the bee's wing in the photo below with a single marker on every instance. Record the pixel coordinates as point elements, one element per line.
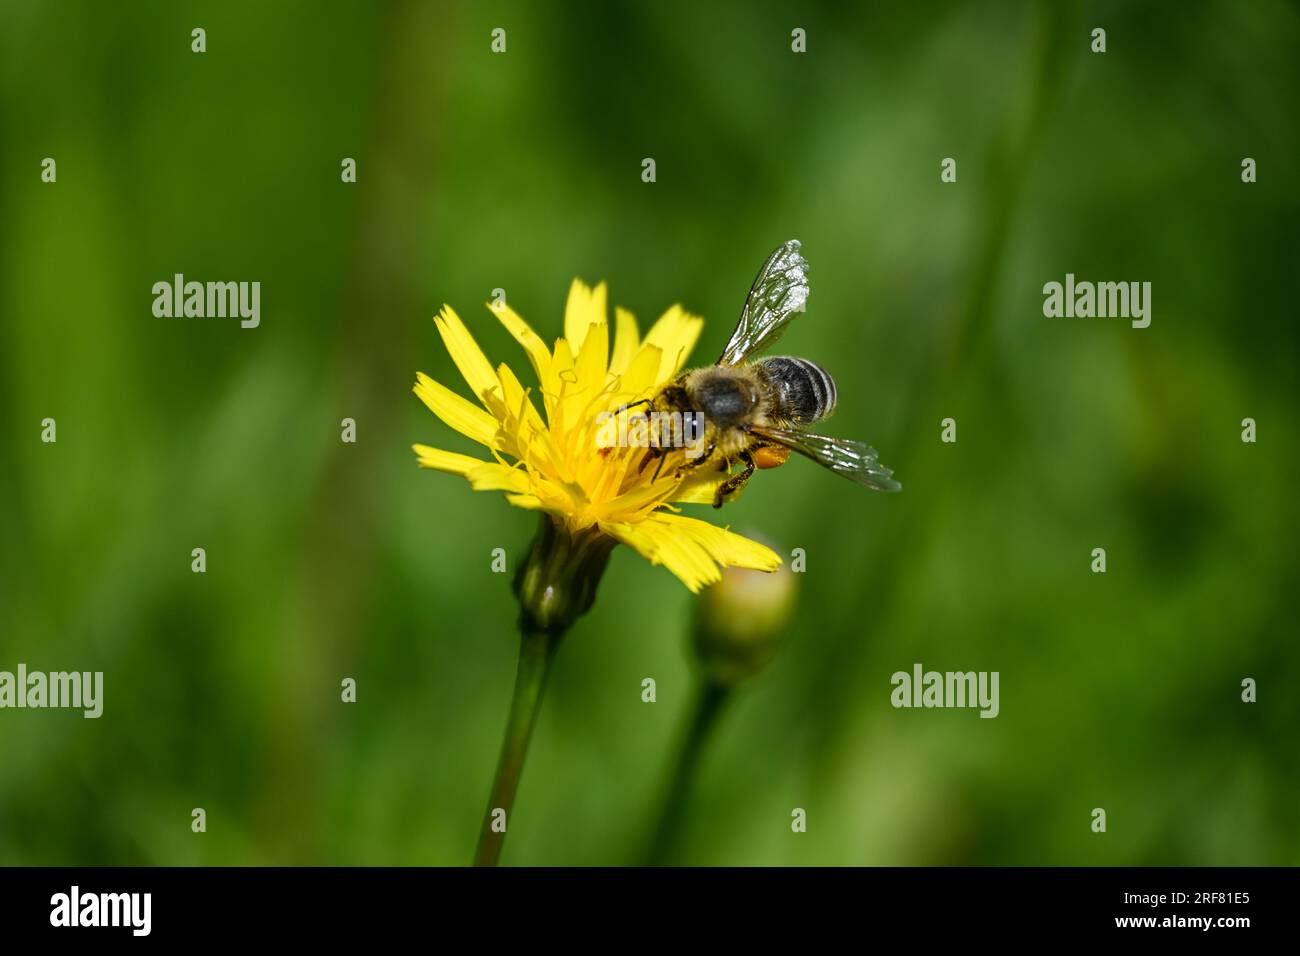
<point>777,295</point>
<point>852,459</point>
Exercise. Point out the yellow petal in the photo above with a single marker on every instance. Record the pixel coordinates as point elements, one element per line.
<point>699,488</point>
<point>493,476</point>
<point>657,544</point>
<point>675,335</point>
<point>562,362</point>
<point>524,501</point>
<point>482,475</point>
<point>575,313</point>
<point>448,461</point>
<point>533,440</point>
<point>691,549</point>
<point>464,351</point>
<point>643,373</point>
<point>560,404</point>
<point>593,361</point>
<point>460,413</point>
<point>626,341</point>
<point>516,400</point>
<point>585,307</point>
<point>538,355</point>
<point>727,548</point>
<point>631,501</point>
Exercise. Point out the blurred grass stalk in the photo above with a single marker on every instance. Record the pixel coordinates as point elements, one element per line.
<point>1052,29</point>
<point>735,630</point>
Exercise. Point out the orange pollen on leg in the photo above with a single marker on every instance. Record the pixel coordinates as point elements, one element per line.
<point>770,456</point>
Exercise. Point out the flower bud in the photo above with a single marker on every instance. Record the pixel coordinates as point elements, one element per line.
<point>556,583</point>
<point>739,621</point>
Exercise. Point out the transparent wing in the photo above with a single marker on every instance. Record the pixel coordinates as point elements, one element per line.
<point>777,295</point>
<point>852,459</point>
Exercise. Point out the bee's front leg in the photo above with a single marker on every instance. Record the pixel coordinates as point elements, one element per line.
<point>690,464</point>
<point>630,405</point>
<point>735,482</point>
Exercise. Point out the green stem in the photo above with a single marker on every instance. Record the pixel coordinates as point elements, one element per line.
<point>536,651</point>
<point>556,584</point>
<point>708,705</point>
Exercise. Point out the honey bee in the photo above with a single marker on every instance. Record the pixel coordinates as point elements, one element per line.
<point>756,411</point>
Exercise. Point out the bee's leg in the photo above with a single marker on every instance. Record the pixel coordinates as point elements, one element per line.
<point>639,401</point>
<point>690,464</point>
<point>735,482</point>
<point>651,454</point>
<point>663,456</point>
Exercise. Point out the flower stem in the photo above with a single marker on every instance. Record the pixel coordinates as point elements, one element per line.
<point>536,651</point>
<point>708,705</point>
<point>555,584</point>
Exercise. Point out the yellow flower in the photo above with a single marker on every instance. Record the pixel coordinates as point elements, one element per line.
<point>554,463</point>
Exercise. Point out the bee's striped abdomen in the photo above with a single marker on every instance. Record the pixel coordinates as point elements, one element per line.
<point>802,391</point>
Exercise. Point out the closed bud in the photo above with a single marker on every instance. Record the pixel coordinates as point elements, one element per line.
<point>739,622</point>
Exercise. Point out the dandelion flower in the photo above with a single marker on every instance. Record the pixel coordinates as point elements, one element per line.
<point>591,494</point>
<point>550,458</point>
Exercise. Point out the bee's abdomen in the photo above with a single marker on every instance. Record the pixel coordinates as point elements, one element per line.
<point>801,391</point>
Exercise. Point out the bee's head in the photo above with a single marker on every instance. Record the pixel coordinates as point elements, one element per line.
<point>723,399</point>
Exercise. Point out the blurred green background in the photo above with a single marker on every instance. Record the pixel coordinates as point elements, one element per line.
<point>522,170</point>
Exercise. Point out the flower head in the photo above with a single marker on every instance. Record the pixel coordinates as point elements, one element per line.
<point>739,621</point>
<point>552,460</point>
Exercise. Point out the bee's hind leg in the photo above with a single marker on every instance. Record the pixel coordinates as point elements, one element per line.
<point>735,482</point>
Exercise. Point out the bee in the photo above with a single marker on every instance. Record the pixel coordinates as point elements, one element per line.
<point>757,410</point>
